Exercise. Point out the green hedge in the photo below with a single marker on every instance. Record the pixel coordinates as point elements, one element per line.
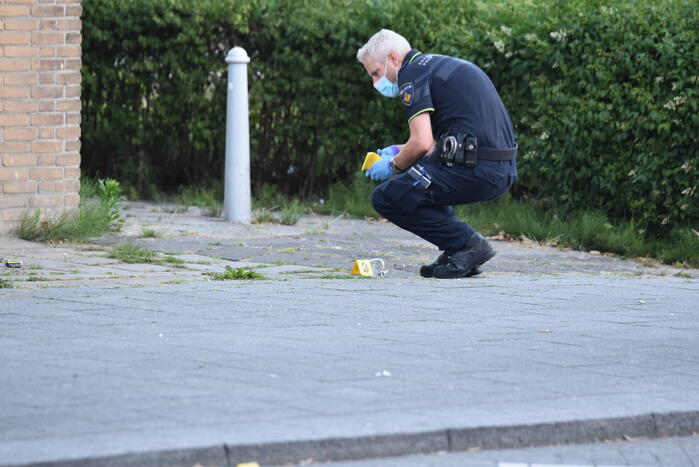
<point>603,96</point>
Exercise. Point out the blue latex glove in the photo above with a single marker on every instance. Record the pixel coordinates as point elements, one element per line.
<point>388,151</point>
<point>381,169</point>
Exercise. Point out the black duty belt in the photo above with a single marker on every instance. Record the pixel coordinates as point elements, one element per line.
<point>465,150</point>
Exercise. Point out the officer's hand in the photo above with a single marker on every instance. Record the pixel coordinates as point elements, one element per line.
<point>381,169</point>
<point>388,151</point>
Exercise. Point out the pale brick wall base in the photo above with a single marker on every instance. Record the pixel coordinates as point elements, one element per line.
<point>40,60</point>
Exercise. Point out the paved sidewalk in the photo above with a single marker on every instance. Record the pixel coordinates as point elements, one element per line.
<point>547,346</point>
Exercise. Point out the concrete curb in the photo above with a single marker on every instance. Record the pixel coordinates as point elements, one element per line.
<point>400,444</point>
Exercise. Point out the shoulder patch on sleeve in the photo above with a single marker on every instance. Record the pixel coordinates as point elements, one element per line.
<point>406,93</point>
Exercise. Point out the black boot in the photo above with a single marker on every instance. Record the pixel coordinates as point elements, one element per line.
<point>476,252</point>
<point>427,270</point>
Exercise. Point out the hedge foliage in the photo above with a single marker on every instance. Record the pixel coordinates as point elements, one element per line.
<point>604,95</point>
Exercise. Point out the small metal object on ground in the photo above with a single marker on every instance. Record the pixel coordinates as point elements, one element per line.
<point>13,263</point>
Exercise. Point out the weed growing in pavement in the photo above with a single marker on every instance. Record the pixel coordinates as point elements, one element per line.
<point>263,216</point>
<point>6,284</point>
<point>149,232</point>
<point>98,213</point>
<point>130,252</point>
<point>231,274</point>
<point>292,212</point>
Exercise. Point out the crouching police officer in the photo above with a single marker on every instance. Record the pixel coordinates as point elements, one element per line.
<point>461,149</point>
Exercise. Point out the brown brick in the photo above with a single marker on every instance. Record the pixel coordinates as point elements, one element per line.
<point>47,92</point>
<point>67,1</point>
<point>47,187</point>
<point>47,132</point>
<point>14,120</point>
<point>14,38</point>
<point>73,104</point>
<point>73,63</point>
<point>20,107</point>
<point>73,38</point>
<point>69,24</point>
<point>11,215</point>
<point>14,93</point>
<point>13,51</point>
<point>68,132</point>
<point>73,145</point>
<point>19,187</point>
<point>74,10</point>
<point>68,159</point>
<point>72,172</point>
<point>48,10</point>
<point>46,201</point>
<point>48,25</point>
<point>23,2</point>
<point>13,10</point>
<point>69,77</point>
<point>47,119</point>
<point>14,65</point>
<point>68,185</point>
<point>44,65</point>
<point>19,161</point>
<point>47,78</point>
<point>47,106</point>
<point>20,134</point>
<point>14,148</point>
<point>69,51</point>
<point>46,173</point>
<point>14,174</point>
<point>48,38</point>
<point>21,24</point>
<point>45,52</point>
<point>71,200</point>
<point>42,147</point>
<point>73,91</point>
<point>13,202</point>
<point>15,79</point>
<point>45,160</point>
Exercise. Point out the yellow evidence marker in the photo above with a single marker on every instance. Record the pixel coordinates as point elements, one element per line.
<point>249,464</point>
<point>370,159</point>
<point>362,267</point>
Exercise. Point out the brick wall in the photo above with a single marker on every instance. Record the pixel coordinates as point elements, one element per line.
<point>39,107</point>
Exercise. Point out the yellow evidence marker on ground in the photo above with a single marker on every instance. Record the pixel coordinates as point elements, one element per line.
<point>370,159</point>
<point>362,267</point>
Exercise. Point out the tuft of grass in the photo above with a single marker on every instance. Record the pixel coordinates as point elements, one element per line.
<point>236,274</point>
<point>267,197</point>
<point>98,213</point>
<point>292,212</point>
<point>210,199</point>
<point>353,199</point>
<point>263,216</point>
<point>6,284</point>
<point>149,232</point>
<point>130,252</point>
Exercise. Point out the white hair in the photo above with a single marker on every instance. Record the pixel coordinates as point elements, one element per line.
<point>381,44</point>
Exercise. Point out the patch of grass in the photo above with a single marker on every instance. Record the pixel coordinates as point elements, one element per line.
<point>149,232</point>
<point>130,252</point>
<point>267,197</point>
<point>263,216</point>
<point>684,275</point>
<point>6,284</point>
<point>37,279</point>
<point>236,274</point>
<point>173,260</point>
<point>292,212</point>
<point>175,209</point>
<point>288,250</point>
<point>353,199</point>
<point>98,213</point>
<point>34,268</point>
<point>209,199</point>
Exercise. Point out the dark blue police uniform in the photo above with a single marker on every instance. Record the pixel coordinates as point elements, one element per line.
<point>461,99</point>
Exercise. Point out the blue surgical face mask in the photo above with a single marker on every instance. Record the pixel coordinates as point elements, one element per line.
<point>385,86</point>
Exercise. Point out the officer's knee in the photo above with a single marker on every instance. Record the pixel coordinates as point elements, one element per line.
<point>378,201</point>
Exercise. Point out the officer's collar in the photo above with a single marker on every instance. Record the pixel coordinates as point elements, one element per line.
<point>409,58</point>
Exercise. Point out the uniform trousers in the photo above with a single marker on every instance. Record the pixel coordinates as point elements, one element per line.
<point>428,212</point>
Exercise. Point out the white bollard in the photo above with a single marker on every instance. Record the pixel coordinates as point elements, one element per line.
<point>236,198</point>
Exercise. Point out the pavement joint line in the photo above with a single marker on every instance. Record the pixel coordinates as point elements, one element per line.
<point>650,426</point>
